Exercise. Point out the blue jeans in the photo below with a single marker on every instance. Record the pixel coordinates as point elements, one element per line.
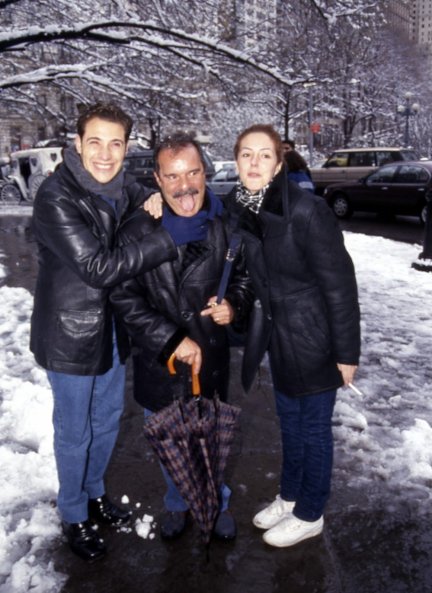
<point>307,451</point>
<point>86,418</point>
<point>173,500</point>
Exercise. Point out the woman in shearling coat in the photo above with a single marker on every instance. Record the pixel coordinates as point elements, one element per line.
<point>306,316</point>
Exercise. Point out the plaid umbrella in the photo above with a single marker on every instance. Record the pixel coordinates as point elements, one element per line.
<point>192,438</point>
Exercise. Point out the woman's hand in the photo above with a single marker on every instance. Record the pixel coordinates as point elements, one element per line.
<point>347,371</point>
<point>153,205</point>
<point>221,314</point>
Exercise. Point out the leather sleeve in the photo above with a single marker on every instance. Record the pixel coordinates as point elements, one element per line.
<point>146,326</point>
<point>62,224</point>
<point>240,293</point>
<point>332,266</point>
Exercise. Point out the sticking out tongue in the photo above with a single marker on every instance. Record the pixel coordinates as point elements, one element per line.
<point>187,203</point>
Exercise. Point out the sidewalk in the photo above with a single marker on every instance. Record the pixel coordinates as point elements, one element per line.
<point>363,548</point>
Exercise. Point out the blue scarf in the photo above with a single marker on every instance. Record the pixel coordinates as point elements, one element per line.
<point>185,229</point>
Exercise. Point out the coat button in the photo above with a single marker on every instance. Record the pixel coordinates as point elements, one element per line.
<point>212,341</point>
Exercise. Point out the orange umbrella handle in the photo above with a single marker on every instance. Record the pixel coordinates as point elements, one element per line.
<point>170,364</point>
<point>196,387</point>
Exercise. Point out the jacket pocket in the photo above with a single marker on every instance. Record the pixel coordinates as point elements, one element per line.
<point>79,335</point>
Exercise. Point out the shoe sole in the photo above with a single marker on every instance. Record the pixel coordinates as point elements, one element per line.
<point>293,543</point>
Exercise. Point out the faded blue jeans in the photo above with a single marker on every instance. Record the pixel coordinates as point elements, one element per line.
<point>173,500</point>
<point>86,418</point>
<point>307,451</point>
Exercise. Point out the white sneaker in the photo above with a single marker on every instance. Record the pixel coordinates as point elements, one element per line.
<point>291,531</point>
<point>275,512</point>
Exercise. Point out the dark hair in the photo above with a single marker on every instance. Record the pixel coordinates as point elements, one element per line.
<point>176,142</point>
<point>265,129</point>
<point>294,161</point>
<point>108,112</point>
<point>289,142</point>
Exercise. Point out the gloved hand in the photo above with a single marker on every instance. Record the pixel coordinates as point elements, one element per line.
<point>184,229</point>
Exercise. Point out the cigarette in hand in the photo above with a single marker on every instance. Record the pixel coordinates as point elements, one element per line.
<point>354,388</point>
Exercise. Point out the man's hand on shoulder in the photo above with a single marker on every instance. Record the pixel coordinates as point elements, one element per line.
<point>153,205</point>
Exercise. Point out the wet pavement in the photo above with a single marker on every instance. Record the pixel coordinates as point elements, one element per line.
<point>372,542</point>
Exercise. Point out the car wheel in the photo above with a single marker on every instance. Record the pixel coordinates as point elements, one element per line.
<point>341,206</point>
<point>10,194</point>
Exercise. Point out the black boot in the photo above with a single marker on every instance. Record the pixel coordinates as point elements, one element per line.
<point>102,510</point>
<point>84,541</point>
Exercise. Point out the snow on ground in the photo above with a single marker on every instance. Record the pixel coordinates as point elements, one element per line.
<point>383,434</point>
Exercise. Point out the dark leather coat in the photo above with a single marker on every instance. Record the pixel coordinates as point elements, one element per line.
<point>72,327</point>
<point>163,306</point>
<point>306,314</point>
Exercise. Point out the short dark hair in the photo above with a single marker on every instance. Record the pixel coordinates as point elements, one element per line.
<point>176,142</point>
<point>289,142</point>
<point>294,161</point>
<point>265,129</point>
<point>108,112</point>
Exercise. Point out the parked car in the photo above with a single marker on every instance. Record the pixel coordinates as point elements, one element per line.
<point>397,188</point>
<point>223,165</point>
<point>28,168</point>
<point>140,164</point>
<point>350,164</point>
<point>223,182</point>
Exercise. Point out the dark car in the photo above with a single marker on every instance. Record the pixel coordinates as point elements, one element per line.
<point>140,164</point>
<point>222,183</point>
<point>396,188</point>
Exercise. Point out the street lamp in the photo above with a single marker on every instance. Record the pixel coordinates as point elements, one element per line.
<point>408,110</point>
<point>424,260</point>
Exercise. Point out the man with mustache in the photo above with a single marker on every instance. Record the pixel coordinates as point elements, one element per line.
<point>172,309</point>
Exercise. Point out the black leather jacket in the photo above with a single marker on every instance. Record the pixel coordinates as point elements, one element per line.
<point>72,322</point>
<point>306,314</point>
<point>163,305</point>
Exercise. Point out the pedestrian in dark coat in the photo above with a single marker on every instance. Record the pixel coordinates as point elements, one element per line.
<point>172,309</point>
<point>306,316</point>
<point>76,215</point>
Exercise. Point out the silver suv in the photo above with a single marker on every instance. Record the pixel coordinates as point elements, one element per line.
<point>350,164</point>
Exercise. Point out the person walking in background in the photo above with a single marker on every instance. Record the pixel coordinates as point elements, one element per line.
<point>74,335</point>
<point>172,309</point>
<point>288,145</point>
<point>306,316</point>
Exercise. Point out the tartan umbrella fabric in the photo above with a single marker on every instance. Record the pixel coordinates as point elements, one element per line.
<point>192,438</point>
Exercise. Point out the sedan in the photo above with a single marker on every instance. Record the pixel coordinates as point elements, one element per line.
<point>396,188</point>
<point>223,182</point>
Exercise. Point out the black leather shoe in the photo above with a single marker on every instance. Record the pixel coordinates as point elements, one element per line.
<point>172,524</point>
<point>84,541</point>
<point>225,526</point>
<point>102,510</point>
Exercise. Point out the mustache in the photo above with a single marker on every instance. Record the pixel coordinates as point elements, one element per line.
<point>191,191</point>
